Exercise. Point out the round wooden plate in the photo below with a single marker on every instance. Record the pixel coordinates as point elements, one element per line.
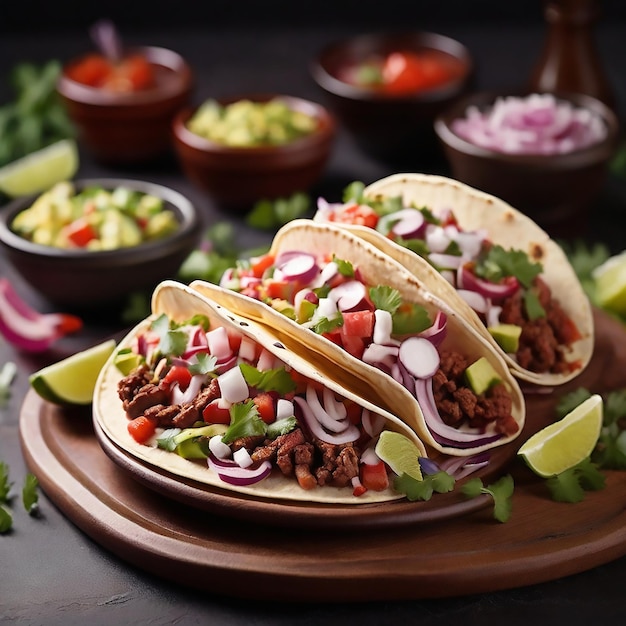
<point>233,554</point>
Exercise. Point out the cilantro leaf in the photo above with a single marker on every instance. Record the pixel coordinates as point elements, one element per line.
<point>533,307</point>
<point>410,319</point>
<point>172,342</point>
<point>418,246</point>
<point>281,427</point>
<point>244,422</point>
<point>325,325</point>
<point>497,263</point>
<point>413,489</point>
<point>277,379</point>
<point>166,440</point>
<point>345,268</point>
<point>206,364</point>
<point>501,491</point>
<point>30,497</point>
<point>570,485</point>
<point>571,400</point>
<point>385,298</point>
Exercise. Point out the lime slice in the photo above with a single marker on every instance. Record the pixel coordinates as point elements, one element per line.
<point>38,171</point>
<point>72,380</point>
<point>400,453</point>
<point>610,284</point>
<point>564,444</point>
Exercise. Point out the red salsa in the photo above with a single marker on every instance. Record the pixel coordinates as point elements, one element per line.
<point>133,73</point>
<point>404,72</point>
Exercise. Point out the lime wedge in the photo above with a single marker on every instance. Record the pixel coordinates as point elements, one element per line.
<point>400,453</point>
<point>72,380</point>
<point>564,444</point>
<point>610,284</point>
<point>38,171</point>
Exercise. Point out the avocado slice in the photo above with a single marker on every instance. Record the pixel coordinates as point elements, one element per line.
<point>481,375</point>
<point>192,443</point>
<point>507,336</point>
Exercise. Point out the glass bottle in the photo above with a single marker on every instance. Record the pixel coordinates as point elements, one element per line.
<point>569,60</point>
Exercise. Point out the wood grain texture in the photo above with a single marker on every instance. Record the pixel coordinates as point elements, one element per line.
<point>235,555</point>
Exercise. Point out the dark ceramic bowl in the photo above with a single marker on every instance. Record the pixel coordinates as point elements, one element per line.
<point>236,177</point>
<point>554,190</point>
<point>129,127</point>
<point>394,128</point>
<point>83,279</point>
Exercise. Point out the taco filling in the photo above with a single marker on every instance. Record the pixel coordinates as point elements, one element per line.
<point>215,396</point>
<point>504,287</point>
<point>464,402</point>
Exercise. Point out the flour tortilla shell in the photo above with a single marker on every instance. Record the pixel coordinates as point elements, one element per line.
<point>376,268</point>
<point>179,302</point>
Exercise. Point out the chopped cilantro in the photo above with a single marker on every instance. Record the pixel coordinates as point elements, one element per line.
<point>277,379</point>
<point>439,482</point>
<point>281,427</point>
<point>325,325</point>
<point>166,440</point>
<point>345,268</point>
<point>501,491</point>
<point>533,307</point>
<point>497,263</point>
<point>206,364</point>
<point>271,214</point>
<point>7,374</point>
<point>410,319</point>
<point>30,497</point>
<point>244,422</point>
<point>354,192</point>
<point>418,246</point>
<point>385,298</point>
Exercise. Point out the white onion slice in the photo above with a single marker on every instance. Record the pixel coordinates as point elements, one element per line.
<point>419,356</point>
<point>349,434</point>
<point>383,327</point>
<point>218,344</point>
<point>373,423</point>
<point>247,349</point>
<point>477,301</point>
<point>233,385</point>
<point>242,458</point>
<point>323,417</point>
<point>376,353</point>
<point>445,261</point>
<point>334,407</point>
<point>219,448</point>
<point>284,408</point>
<point>369,456</point>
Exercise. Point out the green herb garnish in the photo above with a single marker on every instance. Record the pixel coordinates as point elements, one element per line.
<point>30,497</point>
<point>501,491</point>
<point>438,482</point>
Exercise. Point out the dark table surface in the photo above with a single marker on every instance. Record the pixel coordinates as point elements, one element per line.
<point>50,571</point>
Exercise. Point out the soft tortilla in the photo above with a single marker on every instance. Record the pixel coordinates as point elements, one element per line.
<point>376,268</point>
<point>180,303</point>
<point>507,227</point>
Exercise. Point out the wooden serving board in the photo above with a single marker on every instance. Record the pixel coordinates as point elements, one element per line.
<point>432,558</point>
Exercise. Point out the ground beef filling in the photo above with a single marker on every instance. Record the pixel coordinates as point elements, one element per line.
<point>459,406</point>
<point>544,341</point>
<point>310,461</point>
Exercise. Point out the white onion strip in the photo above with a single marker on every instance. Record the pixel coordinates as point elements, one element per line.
<point>349,434</point>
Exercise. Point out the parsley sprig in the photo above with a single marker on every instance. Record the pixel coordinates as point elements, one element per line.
<point>30,497</point>
<point>501,491</point>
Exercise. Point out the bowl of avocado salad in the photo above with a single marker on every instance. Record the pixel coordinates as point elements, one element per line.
<point>90,243</point>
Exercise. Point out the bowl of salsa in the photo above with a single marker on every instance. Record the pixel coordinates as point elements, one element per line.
<point>387,89</point>
<point>123,109</point>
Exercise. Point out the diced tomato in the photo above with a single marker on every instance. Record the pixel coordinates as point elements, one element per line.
<point>214,414</point>
<point>360,214</point>
<point>178,374</point>
<point>279,289</point>
<point>141,428</point>
<point>67,323</point>
<point>568,332</point>
<point>354,412</point>
<point>353,345</point>
<point>80,232</point>
<point>358,324</point>
<point>265,406</point>
<point>93,70</point>
<point>359,490</point>
<point>234,341</point>
<point>374,477</point>
<point>261,264</point>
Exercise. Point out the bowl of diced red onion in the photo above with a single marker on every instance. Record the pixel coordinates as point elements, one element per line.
<point>545,154</point>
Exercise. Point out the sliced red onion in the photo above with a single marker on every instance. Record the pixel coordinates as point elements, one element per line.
<point>419,356</point>
<point>218,448</point>
<point>477,301</point>
<point>233,385</point>
<point>227,365</point>
<point>231,473</point>
<point>373,423</point>
<point>495,291</point>
<point>396,373</point>
<point>437,332</point>
<point>246,282</point>
<point>534,124</point>
<point>376,354</point>
<point>351,433</point>
<point>436,239</point>
<point>229,280</point>
<point>428,466</point>
<point>470,242</point>
<point>334,407</point>
<point>445,261</point>
<point>300,267</point>
<point>407,223</point>
<point>328,272</point>
<point>442,432</point>
<point>328,421</point>
<point>348,295</point>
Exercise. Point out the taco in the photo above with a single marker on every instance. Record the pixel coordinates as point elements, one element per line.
<point>493,264</point>
<point>211,396</point>
<point>357,310</point>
